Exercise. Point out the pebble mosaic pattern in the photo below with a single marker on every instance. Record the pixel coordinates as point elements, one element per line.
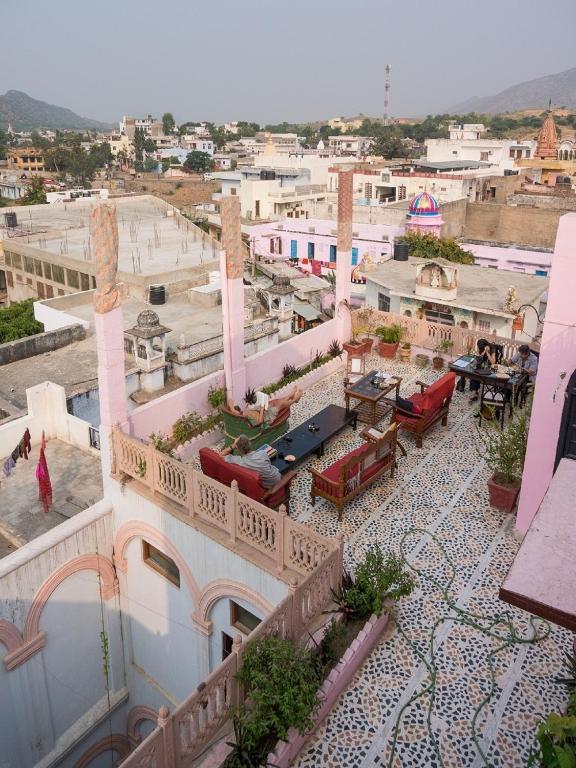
<point>441,490</point>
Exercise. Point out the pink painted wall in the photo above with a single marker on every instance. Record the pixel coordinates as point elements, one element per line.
<point>262,368</point>
<point>557,357</point>
<point>514,259</point>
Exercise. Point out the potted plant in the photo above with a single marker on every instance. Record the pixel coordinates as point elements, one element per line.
<point>441,349</point>
<point>405,350</point>
<point>354,346</point>
<point>389,336</point>
<point>503,451</point>
<point>421,360</point>
<point>365,321</point>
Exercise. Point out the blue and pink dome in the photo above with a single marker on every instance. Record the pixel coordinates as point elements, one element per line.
<point>424,204</point>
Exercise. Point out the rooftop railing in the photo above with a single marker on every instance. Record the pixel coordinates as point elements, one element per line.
<point>276,543</point>
<point>215,344</point>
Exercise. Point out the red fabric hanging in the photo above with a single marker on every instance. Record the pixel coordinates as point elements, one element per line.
<point>43,477</point>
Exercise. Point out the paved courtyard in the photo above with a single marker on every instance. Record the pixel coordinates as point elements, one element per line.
<point>456,679</point>
<point>76,484</point>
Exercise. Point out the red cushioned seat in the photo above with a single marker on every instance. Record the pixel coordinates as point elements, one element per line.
<point>373,469</point>
<point>333,471</point>
<point>433,402</point>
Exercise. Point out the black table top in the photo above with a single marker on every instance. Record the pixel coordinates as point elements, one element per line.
<point>301,442</point>
<point>470,372</point>
<point>364,387</point>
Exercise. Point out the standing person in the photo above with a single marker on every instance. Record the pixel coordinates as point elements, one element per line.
<point>256,460</point>
<point>488,355</point>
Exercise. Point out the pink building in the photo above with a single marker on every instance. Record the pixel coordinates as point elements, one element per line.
<point>553,422</point>
<point>532,261</point>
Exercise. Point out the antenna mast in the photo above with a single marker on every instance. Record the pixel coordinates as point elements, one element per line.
<point>388,71</point>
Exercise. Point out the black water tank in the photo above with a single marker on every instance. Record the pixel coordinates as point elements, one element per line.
<point>11,219</point>
<point>157,294</point>
<point>401,250</point>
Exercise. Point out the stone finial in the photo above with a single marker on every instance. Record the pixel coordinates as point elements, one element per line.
<point>163,715</point>
<point>104,231</point>
<point>547,145</point>
<point>511,301</point>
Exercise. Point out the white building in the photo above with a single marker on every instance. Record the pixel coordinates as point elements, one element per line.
<point>470,143</point>
<point>198,143</point>
<point>355,146</point>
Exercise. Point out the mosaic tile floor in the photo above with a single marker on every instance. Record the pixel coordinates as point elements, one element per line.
<point>438,490</point>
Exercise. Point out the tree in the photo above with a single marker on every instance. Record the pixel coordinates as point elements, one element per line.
<point>389,145</point>
<point>3,143</point>
<point>168,123</point>
<point>168,161</point>
<point>149,145</point>
<point>35,193</point>
<point>39,142</point>
<point>199,162</point>
<point>101,154</point>
<point>430,247</point>
<point>138,142</point>
<point>150,164</point>
<point>18,321</point>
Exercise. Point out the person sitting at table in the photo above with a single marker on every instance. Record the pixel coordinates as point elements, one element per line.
<point>259,461</point>
<point>486,353</point>
<point>266,415</point>
<point>525,360</point>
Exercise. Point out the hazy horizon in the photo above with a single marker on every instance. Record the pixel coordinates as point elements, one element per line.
<point>268,62</point>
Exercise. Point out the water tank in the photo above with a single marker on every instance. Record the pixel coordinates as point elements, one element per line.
<point>11,219</point>
<point>401,250</point>
<point>157,294</point>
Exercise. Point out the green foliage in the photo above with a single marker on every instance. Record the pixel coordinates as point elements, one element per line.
<point>390,145</point>
<point>18,321</point>
<point>329,650</point>
<point>430,247</point>
<point>250,396</point>
<point>138,142</point>
<point>289,371</point>
<point>101,154</point>
<point>570,680</point>
<point>246,751</point>
<point>378,579</point>
<point>168,123</point>
<point>3,143</point>
<point>216,397</point>
<point>389,334</point>
<point>161,442</point>
<point>504,450</point>
<point>282,683</point>
<point>556,738</point>
<point>199,162</point>
<point>318,359</point>
<point>192,424</point>
<point>335,350</point>
<point>35,194</point>
<point>150,164</point>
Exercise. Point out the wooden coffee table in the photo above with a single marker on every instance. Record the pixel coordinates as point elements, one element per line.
<point>370,406</point>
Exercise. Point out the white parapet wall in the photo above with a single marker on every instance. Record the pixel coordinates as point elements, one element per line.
<point>47,413</point>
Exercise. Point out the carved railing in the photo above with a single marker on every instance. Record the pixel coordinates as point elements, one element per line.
<point>279,543</point>
<point>215,344</point>
<point>422,333</point>
<point>192,727</point>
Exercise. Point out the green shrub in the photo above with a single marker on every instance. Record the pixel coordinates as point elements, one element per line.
<point>390,334</point>
<point>282,684</point>
<point>192,424</point>
<point>504,449</point>
<point>216,397</point>
<point>161,442</point>
<point>430,247</point>
<point>18,321</point>
<point>378,579</point>
<point>335,349</point>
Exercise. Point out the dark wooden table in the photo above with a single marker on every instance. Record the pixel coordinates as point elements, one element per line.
<point>302,442</point>
<point>491,383</point>
<point>369,406</point>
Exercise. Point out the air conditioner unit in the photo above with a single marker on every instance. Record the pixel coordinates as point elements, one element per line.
<point>355,234</point>
<point>312,230</point>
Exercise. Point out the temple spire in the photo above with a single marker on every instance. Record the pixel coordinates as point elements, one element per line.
<point>547,147</point>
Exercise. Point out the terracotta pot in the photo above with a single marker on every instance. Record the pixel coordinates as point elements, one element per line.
<point>387,350</point>
<point>405,354</point>
<point>437,363</point>
<point>368,341</point>
<point>354,349</point>
<point>502,497</point>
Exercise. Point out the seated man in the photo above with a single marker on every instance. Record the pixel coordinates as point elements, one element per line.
<point>264,415</point>
<point>525,360</point>
<point>256,460</point>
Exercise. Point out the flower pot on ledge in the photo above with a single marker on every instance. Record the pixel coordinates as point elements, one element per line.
<point>502,497</point>
<point>405,350</point>
<point>368,341</point>
<point>437,363</point>
<point>354,347</point>
<point>387,350</point>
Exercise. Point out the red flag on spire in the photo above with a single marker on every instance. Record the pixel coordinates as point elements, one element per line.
<point>43,477</point>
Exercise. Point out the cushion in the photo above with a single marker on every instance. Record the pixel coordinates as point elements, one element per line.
<point>408,405</point>
<point>214,466</point>
<point>436,393</point>
<point>373,469</point>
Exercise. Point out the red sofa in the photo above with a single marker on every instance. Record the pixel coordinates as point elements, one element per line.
<point>430,405</point>
<point>354,472</point>
<point>249,483</point>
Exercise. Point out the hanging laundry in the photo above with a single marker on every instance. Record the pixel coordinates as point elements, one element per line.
<point>8,466</point>
<point>43,477</point>
<point>25,445</point>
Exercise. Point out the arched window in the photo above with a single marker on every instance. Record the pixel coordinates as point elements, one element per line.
<point>463,324</point>
<point>407,313</point>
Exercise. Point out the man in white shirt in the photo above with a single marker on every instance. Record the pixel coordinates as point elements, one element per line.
<point>526,361</point>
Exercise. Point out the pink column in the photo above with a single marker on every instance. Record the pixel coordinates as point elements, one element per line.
<point>344,253</point>
<point>232,272</point>
<point>108,317</point>
<point>556,364</point>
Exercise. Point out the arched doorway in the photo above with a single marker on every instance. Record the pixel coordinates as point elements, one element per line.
<point>567,436</point>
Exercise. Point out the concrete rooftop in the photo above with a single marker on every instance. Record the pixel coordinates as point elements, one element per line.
<point>76,484</point>
<point>149,234</point>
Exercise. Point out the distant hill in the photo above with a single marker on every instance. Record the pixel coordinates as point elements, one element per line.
<point>25,113</point>
<point>561,88</point>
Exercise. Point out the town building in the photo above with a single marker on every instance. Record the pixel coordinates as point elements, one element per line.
<point>470,142</point>
<point>351,146</point>
<point>25,160</point>
<point>549,161</point>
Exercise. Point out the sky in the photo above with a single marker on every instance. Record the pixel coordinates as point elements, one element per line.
<point>269,61</point>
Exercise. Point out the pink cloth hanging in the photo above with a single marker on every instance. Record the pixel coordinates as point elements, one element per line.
<point>43,477</point>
